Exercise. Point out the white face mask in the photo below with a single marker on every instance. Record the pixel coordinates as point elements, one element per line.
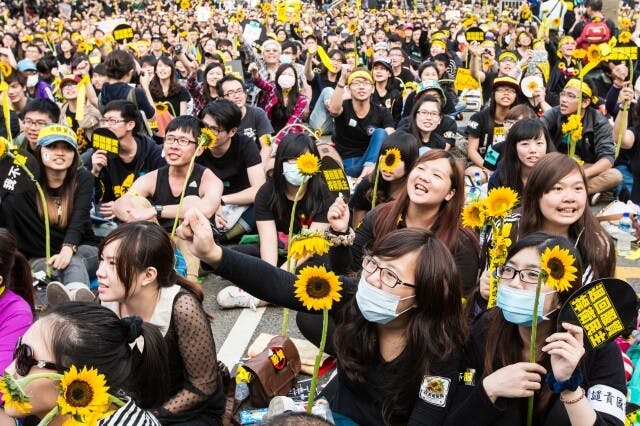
<point>32,80</point>
<point>285,59</point>
<point>292,174</point>
<point>286,81</point>
<point>376,305</point>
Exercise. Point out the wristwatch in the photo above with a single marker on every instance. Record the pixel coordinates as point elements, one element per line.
<point>73,247</point>
<point>158,208</point>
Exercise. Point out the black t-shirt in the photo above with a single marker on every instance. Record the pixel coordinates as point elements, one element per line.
<point>352,134</point>
<point>265,212</point>
<point>254,124</point>
<point>405,75</point>
<point>163,196</point>
<point>232,167</point>
<point>482,126</point>
<point>181,96</point>
<point>487,86</point>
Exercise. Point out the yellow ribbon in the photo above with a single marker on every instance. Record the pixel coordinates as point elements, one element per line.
<point>326,60</point>
<point>6,108</point>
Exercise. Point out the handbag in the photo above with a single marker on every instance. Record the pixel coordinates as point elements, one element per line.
<point>274,371</point>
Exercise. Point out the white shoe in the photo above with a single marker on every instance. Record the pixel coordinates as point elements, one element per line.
<point>79,292</point>
<point>57,293</point>
<point>235,297</point>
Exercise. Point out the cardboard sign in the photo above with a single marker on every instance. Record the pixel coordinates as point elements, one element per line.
<point>105,140</point>
<point>123,33</point>
<point>234,67</point>
<point>12,177</point>
<point>623,53</point>
<point>464,80</point>
<point>475,34</point>
<point>335,178</point>
<point>603,308</point>
<point>252,32</point>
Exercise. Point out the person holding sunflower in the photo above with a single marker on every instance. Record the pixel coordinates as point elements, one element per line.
<point>566,383</point>
<point>77,335</point>
<point>399,328</point>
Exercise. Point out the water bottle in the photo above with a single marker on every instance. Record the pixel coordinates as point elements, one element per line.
<point>474,191</point>
<point>482,188</point>
<point>624,237</point>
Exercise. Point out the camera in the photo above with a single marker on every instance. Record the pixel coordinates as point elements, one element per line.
<point>177,49</point>
<point>487,51</point>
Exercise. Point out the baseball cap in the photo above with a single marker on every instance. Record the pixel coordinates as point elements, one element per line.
<point>506,81</point>
<point>26,65</point>
<point>69,79</point>
<point>384,62</point>
<point>423,86</point>
<point>53,133</point>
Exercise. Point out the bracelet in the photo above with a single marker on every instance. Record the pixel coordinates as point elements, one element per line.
<point>340,240</point>
<point>571,384</point>
<point>340,85</point>
<point>573,401</point>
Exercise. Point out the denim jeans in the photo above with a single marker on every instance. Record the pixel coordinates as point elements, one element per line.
<point>353,166</point>
<point>627,178</point>
<point>320,117</point>
<point>81,268</point>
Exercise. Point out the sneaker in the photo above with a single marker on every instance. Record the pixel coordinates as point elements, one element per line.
<point>279,405</point>
<point>235,297</point>
<point>595,198</point>
<point>57,293</point>
<point>84,295</point>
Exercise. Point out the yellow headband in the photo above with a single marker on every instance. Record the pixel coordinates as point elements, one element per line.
<point>565,39</point>
<point>440,43</point>
<point>360,74</point>
<point>581,86</point>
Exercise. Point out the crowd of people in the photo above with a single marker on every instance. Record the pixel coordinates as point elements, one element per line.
<point>208,107</point>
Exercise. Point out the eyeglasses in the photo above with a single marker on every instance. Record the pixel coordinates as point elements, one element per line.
<point>504,89</point>
<point>34,123</point>
<point>214,129</point>
<point>170,140</point>
<point>428,114</point>
<point>387,276</point>
<point>529,276</point>
<point>230,93</point>
<point>361,83</point>
<point>568,95</point>
<point>23,355</point>
<point>110,121</point>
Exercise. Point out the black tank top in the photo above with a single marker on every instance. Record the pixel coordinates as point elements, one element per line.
<point>162,195</point>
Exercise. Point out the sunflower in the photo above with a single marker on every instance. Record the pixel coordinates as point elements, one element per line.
<point>555,22</point>
<point>579,54</point>
<point>12,395</point>
<point>625,37</point>
<point>303,246</point>
<point>308,164</point>
<point>240,15</point>
<point>562,66</point>
<point>532,85</point>
<point>83,392</point>
<point>5,68</point>
<point>390,160</point>
<point>353,27</point>
<point>487,62</point>
<point>3,147</point>
<point>207,139</point>
<point>184,4</point>
<point>317,288</point>
<point>473,215</point>
<point>593,53</point>
<point>558,266</point>
<point>500,201</point>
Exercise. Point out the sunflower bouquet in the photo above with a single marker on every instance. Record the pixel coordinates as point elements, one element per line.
<point>317,289</point>
<point>206,140</point>
<point>387,163</point>
<point>558,270</point>
<point>491,212</point>
<point>83,395</point>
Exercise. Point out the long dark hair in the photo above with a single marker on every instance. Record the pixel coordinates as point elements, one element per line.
<point>415,131</point>
<point>144,244</point>
<point>292,146</point>
<point>408,147</point>
<point>593,242</point>
<point>292,96</point>
<point>66,193</point>
<point>504,344</point>
<point>448,223</point>
<point>206,90</point>
<point>86,334</point>
<point>14,268</point>
<point>511,166</point>
<point>155,87</point>
<point>435,329</point>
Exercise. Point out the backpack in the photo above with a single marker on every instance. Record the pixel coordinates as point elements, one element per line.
<point>131,97</point>
<point>594,33</point>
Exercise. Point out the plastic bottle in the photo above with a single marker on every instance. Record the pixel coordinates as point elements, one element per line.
<point>474,190</point>
<point>624,237</point>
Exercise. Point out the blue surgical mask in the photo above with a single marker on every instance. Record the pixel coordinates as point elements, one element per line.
<point>376,304</point>
<point>292,174</point>
<point>517,305</point>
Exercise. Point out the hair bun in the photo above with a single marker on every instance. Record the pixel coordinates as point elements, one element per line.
<point>134,327</point>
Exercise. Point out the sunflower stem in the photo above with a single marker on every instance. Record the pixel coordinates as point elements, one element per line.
<point>532,344</point>
<point>493,291</point>
<point>316,367</point>
<point>50,415</point>
<point>285,311</point>
<point>375,185</point>
<point>116,401</point>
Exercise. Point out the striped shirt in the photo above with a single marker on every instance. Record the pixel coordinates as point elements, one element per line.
<point>130,415</point>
